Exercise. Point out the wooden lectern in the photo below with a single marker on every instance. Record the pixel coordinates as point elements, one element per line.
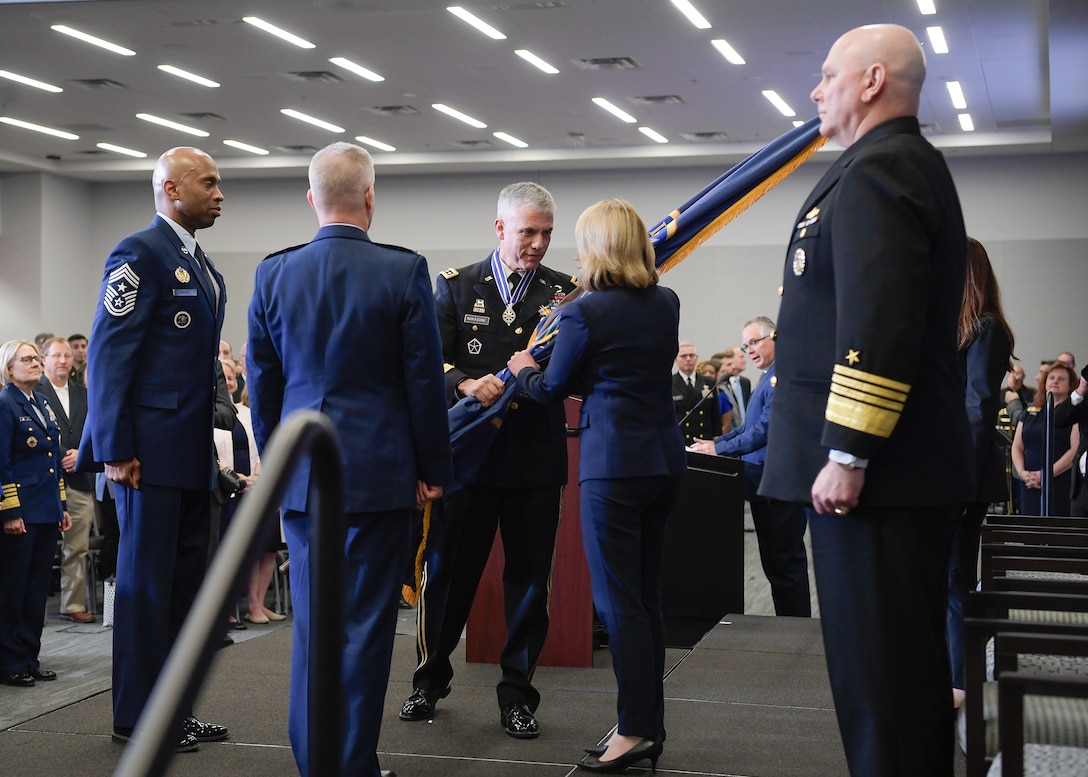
<point>570,634</point>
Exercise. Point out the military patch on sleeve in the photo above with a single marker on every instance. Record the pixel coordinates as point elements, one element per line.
<point>121,287</point>
<point>450,273</point>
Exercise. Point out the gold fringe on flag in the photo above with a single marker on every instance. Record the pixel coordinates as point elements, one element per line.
<point>410,594</point>
<point>741,205</point>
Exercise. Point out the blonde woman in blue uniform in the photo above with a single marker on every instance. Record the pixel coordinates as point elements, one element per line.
<point>31,510</point>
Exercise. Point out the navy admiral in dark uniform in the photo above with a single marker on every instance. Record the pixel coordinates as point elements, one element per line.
<point>486,312</point>
<point>32,507</point>
<point>696,410</point>
<point>869,426</point>
<point>151,392</point>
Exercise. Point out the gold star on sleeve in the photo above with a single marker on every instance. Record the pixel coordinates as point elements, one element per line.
<point>853,357</point>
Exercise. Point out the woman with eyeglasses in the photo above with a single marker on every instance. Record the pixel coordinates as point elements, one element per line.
<point>631,456</point>
<point>32,508</point>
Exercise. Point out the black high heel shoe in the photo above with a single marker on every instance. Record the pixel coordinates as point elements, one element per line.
<point>646,748</point>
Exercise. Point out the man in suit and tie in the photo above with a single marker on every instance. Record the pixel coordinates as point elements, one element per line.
<point>867,370</point>
<point>736,387</point>
<point>348,326</point>
<point>696,411</point>
<point>780,526</point>
<point>1074,411</point>
<point>151,392</point>
<point>68,399</point>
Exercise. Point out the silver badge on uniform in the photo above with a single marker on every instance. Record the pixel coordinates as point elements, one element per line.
<point>182,319</point>
<point>478,306</point>
<point>799,262</point>
<point>474,346</point>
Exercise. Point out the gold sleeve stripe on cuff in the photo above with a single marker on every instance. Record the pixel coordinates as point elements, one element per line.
<point>10,500</point>
<point>869,377</point>
<point>860,416</point>
<point>861,396</point>
<point>868,388</point>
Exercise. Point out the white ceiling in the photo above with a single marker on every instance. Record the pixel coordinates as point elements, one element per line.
<point>1023,65</point>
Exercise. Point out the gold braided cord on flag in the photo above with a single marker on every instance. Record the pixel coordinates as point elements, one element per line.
<point>740,206</point>
<point>410,594</point>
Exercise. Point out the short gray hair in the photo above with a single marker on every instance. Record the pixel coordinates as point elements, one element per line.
<point>341,173</point>
<point>766,325</point>
<point>7,358</point>
<point>525,193</point>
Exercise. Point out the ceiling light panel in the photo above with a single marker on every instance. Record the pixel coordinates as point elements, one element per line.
<point>282,34</point>
<point>476,22</point>
<point>507,138</point>
<point>966,124</point>
<point>727,51</point>
<point>358,70</point>
<point>177,71</point>
<point>955,91</point>
<point>936,40</point>
<point>37,128</point>
<point>325,125</point>
<point>619,113</point>
<point>121,150</point>
<point>693,15</point>
<point>246,147</point>
<point>782,106</point>
<point>441,108</point>
<point>927,7</point>
<point>93,40</point>
<point>26,81</point>
<point>653,135</point>
<point>536,61</point>
<point>153,119</point>
<point>366,141</point>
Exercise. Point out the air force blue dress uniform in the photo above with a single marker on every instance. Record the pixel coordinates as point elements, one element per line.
<point>347,327</point>
<point>151,385</point>
<point>33,489</point>
<point>616,348</point>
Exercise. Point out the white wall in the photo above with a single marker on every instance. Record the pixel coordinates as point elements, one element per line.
<point>1028,211</point>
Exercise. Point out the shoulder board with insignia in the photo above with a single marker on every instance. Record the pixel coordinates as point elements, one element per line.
<point>575,281</point>
<point>450,273</point>
<point>392,247</point>
<point>285,251</point>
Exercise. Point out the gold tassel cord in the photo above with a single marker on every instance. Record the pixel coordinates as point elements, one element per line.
<point>742,205</point>
<point>410,594</point>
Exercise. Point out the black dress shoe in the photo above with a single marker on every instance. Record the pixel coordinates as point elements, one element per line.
<point>419,705</point>
<point>18,680</point>
<point>518,722</point>
<point>186,744</point>
<point>646,748</point>
<point>204,732</point>
<point>43,674</point>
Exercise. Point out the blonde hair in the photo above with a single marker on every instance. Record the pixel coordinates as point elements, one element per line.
<point>7,358</point>
<point>613,247</point>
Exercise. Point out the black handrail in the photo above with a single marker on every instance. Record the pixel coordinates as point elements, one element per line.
<point>155,736</point>
<point>1047,470</point>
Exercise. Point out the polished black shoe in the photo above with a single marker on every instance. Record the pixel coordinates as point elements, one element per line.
<point>518,722</point>
<point>18,680</point>
<point>646,748</point>
<point>419,706</point>
<point>186,744</point>
<point>43,674</point>
<point>204,732</point>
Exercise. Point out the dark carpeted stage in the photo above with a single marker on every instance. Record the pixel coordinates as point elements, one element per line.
<point>751,698</point>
